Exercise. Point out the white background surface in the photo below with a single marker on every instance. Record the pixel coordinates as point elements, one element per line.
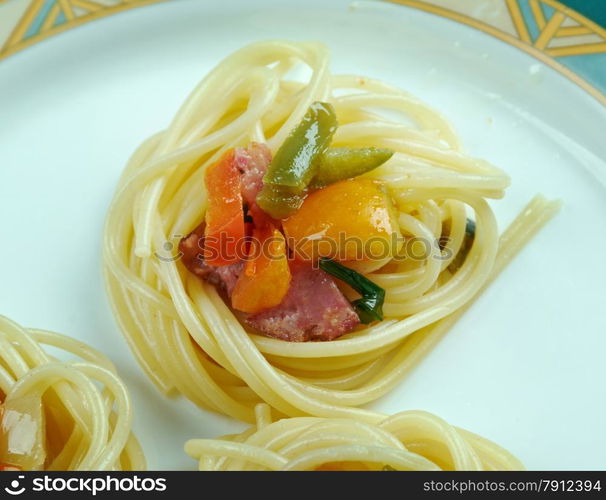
<point>524,367</point>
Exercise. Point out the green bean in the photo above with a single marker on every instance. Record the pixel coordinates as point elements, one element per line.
<point>294,164</point>
<point>337,164</point>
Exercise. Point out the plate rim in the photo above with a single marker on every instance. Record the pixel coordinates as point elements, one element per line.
<point>524,61</point>
<point>33,21</point>
<point>524,41</point>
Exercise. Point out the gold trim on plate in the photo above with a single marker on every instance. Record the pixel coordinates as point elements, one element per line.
<point>540,49</point>
<point>581,38</point>
<point>92,10</point>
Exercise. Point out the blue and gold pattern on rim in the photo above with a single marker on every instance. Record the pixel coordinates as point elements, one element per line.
<point>557,35</point>
<point>26,22</point>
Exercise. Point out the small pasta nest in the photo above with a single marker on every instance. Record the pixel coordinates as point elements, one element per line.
<point>410,440</point>
<point>182,332</point>
<point>83,408</point>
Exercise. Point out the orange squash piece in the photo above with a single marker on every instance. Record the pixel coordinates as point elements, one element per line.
<point>266,276</point>
<point>347,221</point>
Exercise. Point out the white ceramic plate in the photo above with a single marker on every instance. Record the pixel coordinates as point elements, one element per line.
<point>524,367</point>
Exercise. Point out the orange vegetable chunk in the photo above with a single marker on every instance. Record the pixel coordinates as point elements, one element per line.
<point>224,232</point>
<point>347,221</point>
<point>22,434</point>
<point>266,277</point>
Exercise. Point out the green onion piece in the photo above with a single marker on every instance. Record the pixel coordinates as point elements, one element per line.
<point>470,228</point>
<point>459,260</point>
<point>370,306</point>
<point>294,164</point>
<point>337,164</point>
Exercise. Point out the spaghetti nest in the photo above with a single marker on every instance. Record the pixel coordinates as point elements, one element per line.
<point>409,440</point>
<point>180,329</point>
<point>59,415</point>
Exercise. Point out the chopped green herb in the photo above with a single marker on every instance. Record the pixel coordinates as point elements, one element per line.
<point>370,306</point>
<point>459,260</point>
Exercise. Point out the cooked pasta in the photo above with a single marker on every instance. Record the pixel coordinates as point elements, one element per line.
<point>61,415</point>
<point>409,440</point>
<point>185,335</point>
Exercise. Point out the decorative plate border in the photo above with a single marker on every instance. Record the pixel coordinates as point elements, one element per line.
<point>553,33</point>
<point>26,22</point>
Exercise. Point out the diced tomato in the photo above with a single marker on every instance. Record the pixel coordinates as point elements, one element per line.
<point>224,233</point>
